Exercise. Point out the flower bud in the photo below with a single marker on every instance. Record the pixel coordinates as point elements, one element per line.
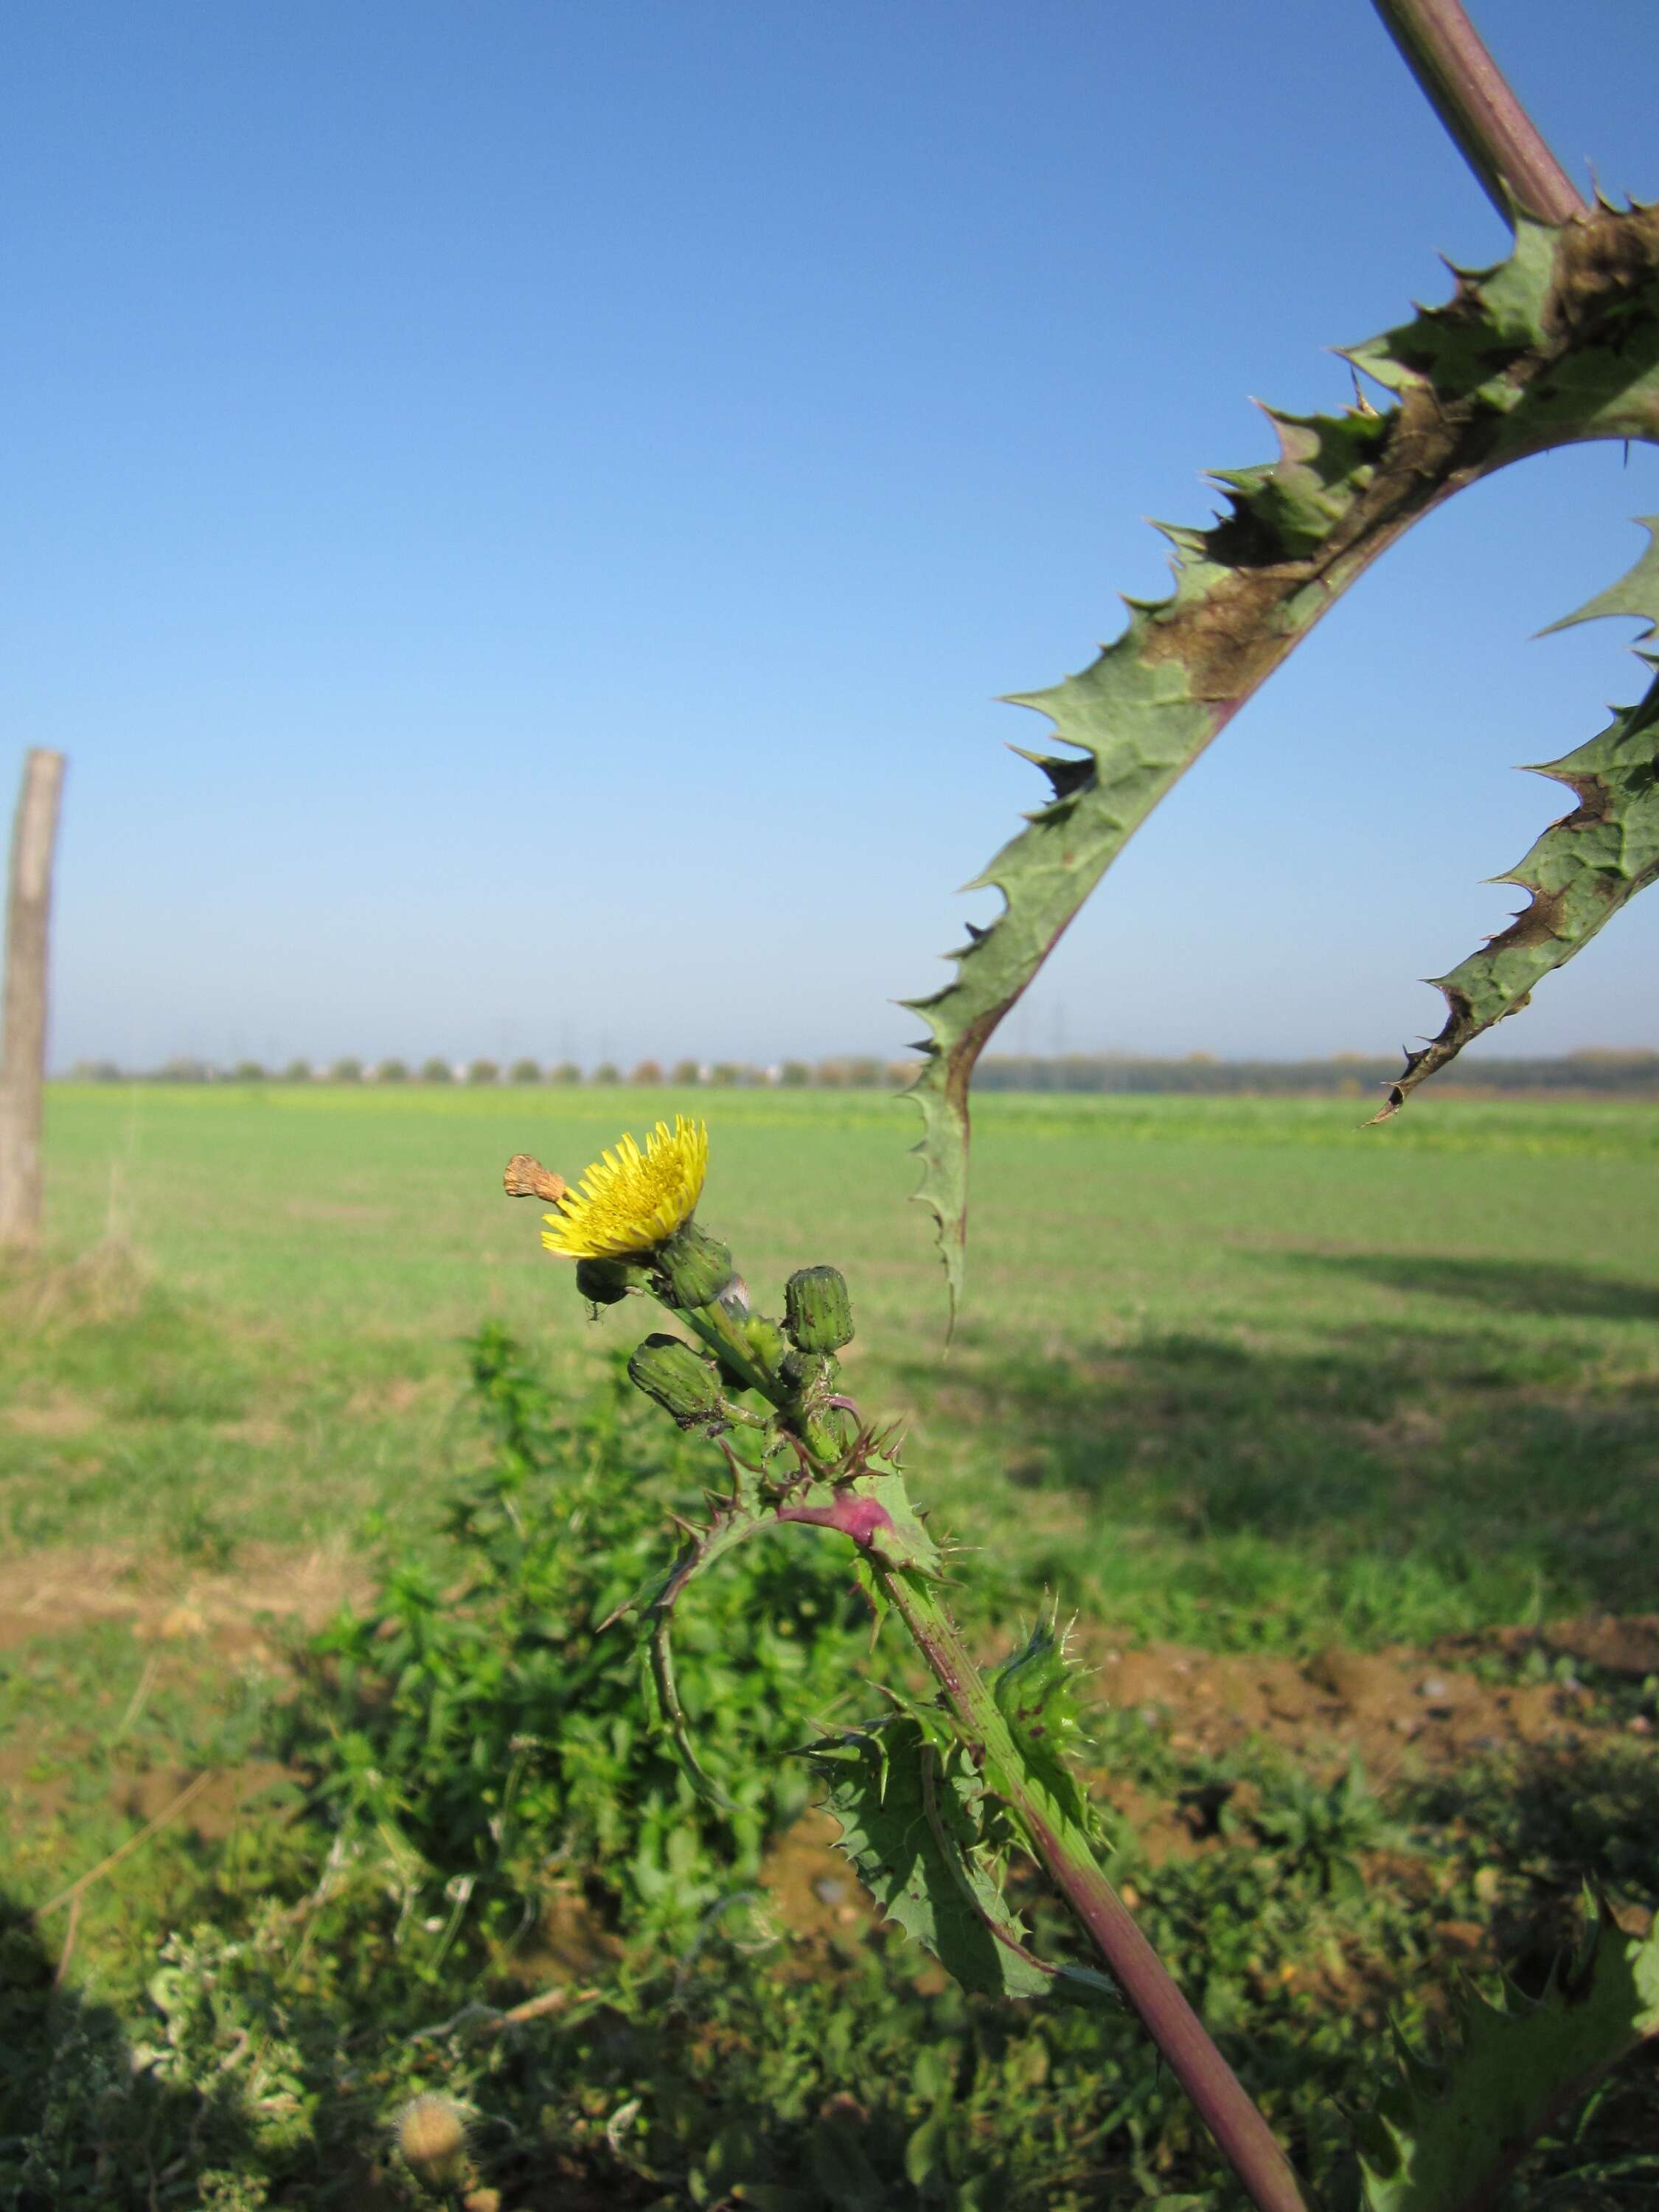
<point>603,1282</point>
<point>818,1313</point>
<point>432,2137</point>
<point>682,1383</point>
<point>829,1432</point>
<point>766,1342</point>
<point>696,1266</point>
<point>811,1375</point>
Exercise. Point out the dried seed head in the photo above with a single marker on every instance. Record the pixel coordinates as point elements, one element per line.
<point>432,2137</point>
<point>525,1177</point>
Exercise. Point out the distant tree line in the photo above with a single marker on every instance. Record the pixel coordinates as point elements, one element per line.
<point>858,1073</point>
<point>1349,1075</point>
<point>1628,1074</point>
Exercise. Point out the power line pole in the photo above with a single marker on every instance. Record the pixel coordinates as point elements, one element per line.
<point>24,1024</point>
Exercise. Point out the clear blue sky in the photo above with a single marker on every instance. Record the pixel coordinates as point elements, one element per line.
<point>519,515</point>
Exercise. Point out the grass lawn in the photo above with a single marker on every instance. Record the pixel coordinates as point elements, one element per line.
<point>1238,1370</point>
<point>1340,1442</point>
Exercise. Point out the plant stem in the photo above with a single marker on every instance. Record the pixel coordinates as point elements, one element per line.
<point>1241,2133</point>
<point>1468,90</point>
<point>721,1334</point>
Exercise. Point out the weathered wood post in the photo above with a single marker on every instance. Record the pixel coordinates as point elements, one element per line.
<point>24,1024</point>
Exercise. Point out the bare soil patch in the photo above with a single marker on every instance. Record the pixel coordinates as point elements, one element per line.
<point>216,1810</point>
<point>57,1417</point>
<point>1405,1712</point>
<point>51,1593</point>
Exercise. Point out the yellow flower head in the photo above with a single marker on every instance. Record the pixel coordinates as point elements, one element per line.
<point>631,1201</point>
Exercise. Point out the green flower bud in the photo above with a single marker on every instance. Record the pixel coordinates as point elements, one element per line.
<point>682,1384</point>
<point>696,1266</point>
<point>811,1375</point>
<point>818,1313</point>
<point>603,1282</point>
<point>767,1342</point>
<point>830,1433</point>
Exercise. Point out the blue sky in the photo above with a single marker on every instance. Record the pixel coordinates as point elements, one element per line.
<point>519,515</point>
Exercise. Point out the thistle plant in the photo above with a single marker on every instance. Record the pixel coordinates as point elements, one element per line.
<point>935,1797</point>
<point>939,1796</point>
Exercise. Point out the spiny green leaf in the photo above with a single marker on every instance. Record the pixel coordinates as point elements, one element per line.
<point>1636,593</point>
<point>731,1522</point>
<point>1456,352</point>
<point>1584,868</point>
<point>1035,1693</point>
<point>670,1714</point>
<point>1449,2134</point>
<point>904,1541</point>
<point>1558,343</point>
<point>876,1789</point>
<point>911,1825</point>
<point>936,1726</point>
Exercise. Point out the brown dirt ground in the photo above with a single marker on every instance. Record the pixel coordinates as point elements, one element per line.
<point>1405,1711</point>
<point>187,1618</point>
<point>51,1593</point>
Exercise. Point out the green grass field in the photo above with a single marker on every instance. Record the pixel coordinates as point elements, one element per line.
<point>1237,1370</point>
<point>1259,1394</point>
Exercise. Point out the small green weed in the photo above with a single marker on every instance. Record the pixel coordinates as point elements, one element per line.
<point>479,1727</point>
<point>1320,1828</point>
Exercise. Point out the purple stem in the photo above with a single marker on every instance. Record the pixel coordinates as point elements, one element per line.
<point>1241,2133</point>
<point>1468,91</point>
<point>857,1517</point>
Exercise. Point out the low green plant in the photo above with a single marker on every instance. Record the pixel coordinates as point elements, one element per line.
<point>476,1728</point>
<point>1321,1827</point>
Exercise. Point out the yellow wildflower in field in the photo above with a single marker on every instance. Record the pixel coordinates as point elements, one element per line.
<point>631,1201</point>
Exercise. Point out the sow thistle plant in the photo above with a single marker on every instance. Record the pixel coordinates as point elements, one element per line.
<point>937,1796</point>
<point>931,1798</point>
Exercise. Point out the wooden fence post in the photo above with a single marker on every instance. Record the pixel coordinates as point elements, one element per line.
<point>23,1024</point>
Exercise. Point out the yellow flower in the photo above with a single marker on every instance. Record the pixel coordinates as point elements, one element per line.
<point>631,1201</point>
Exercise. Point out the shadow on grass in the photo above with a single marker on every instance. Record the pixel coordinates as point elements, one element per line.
<point>1556,1290</point>
<point>82,2128</point>
<point>1568,1815</point>
<point>1449,1478</point>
